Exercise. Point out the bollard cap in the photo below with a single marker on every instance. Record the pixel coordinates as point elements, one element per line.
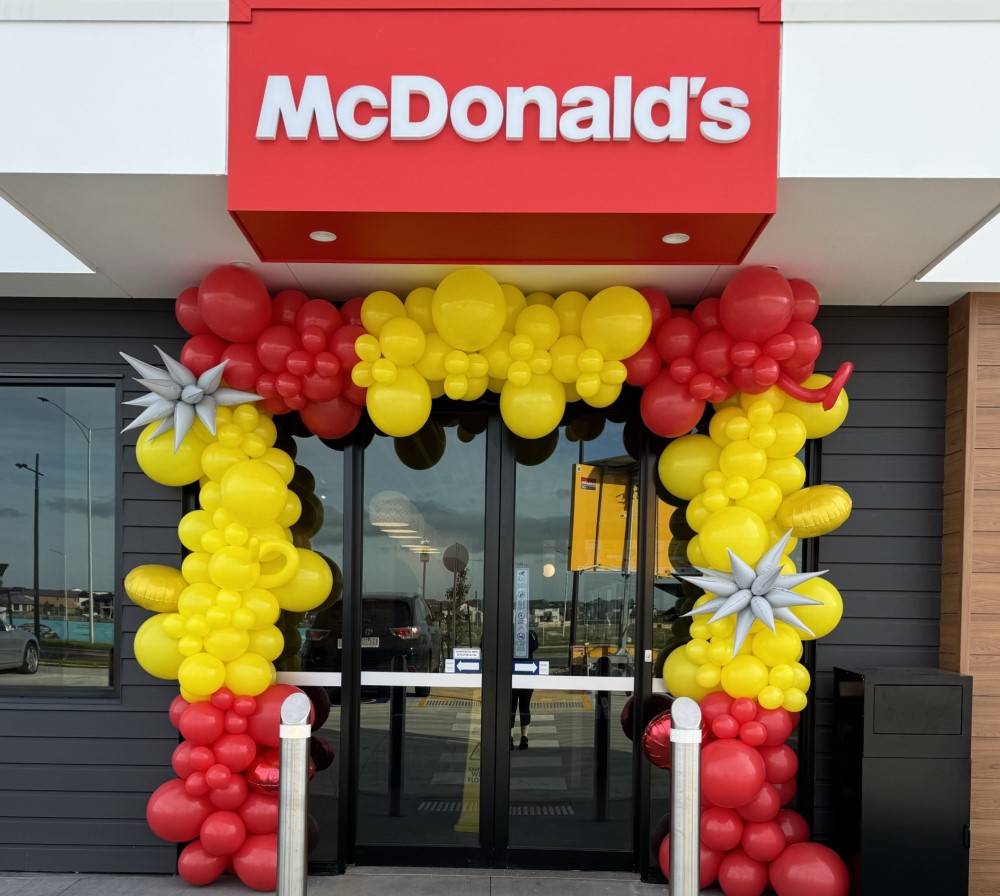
<point>685,713</point>
<point>295,709</point>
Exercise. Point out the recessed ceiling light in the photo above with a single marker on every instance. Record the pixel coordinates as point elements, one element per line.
<point>322,236</point>
<point>675,239</point>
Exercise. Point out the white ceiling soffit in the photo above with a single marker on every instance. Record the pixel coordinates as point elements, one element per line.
<point>25,248</point>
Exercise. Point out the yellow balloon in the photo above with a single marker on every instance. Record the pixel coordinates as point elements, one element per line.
<point>819,423</point>
<point>281,462</point>
<point>249,675</point>
<point>684,463</point>
<point>790,435</point>
<point>763,497</point>
<point>197,598</point>
<point>773,395</point>
<point>217,458</point>
<point>476,388</point>
<point>162,464</point>
<point>616,322</point>
<point>400,408</point>
<point>782,646</point>
<point>744,676</point>
<point>771,697</point>
<point>292,510</point>
<point>696,513</point>
<point>795,700</point>
<point>788,473</point>
<point>514,303</point>
<point>565,353</point>
<point>402,341</point>
<point>695,554</point>
<point>155,587</point>
<point>194,567</point>
<point>192,527</point>
<point>201,674</point>
<point>534,410</point>
<point>569,308</point>
<point>719,425</point>
<point>254,492</point>
<point>267,642</point>
<point>264,606</point>
<point>606,394</point>
<point>821,618</point>
<point>378,309</point>
<point>743,459</point>
<point>430,365</point>
<point>226,643</point>
<point>540,324</point>
<point>775,533</point>
<point>539,298</point>
<point>310,586</point>
<point>680,676</point>
<point>418,307</point>
<point>737,529</point>
<point>469,309</point>
<point>814,511</point>
<point>498,356</point>
<point>155,650</point>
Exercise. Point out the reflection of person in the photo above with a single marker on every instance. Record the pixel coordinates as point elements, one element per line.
<point>520,702</point>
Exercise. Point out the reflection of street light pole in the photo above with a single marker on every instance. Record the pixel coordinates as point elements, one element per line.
<point>88,434</point>
<point>38,621</point>
<point>65,593</point>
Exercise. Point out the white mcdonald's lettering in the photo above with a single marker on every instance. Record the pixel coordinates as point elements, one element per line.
<point>658,113</point>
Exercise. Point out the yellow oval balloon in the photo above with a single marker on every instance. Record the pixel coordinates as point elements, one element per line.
<point>539,322</point>
<point>788,473</point>
<point>155,587</point>
<point>790,435</point>
<point>402,341</point>
<point>616,322</point>
<point>534,410</point>
<point>735,528</point>
<point>263,605</point>
<point>782,646</point>
<point>249,675</point>
<point>819,423</point>
<point>565,354</point>
<point>155,650</point>
<point>418,307</point>
<point>514,303</point>
<point>744,676</point>
<point>743,459</point>
<point>400,408</point>
<point>201,674</point>
<point>469,309</point>
<point>821,618</point>
<point>606,394</point>
<point>430,364</point>
<point>379,308</point>
<point>217,458</point>
<point>680,676</point>
<point>162,464</point>
<point>194,567</point>
<point>310,586</point>
<point>814,511</point>
<point>684,463</point>
<point>539,298</point>
<point>267,642</point>
<point>197,599</point>
<point>569,308</point>
<point>253,492</point>
<point>226,643</point>
<point>192,527</point>
<point>763,497</point>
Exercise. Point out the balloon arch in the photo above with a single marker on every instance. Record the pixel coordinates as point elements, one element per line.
<point>223,620</point>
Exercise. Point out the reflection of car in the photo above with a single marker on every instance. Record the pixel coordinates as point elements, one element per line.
<point>392,625</point>
<point>18,648</point>
<point>44,630</point>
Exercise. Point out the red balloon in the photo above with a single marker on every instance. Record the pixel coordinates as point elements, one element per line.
<point>780,347</point>
<point>756,305</point>
<point>196,785</point>
<point>786,790</point>
<point>809,869</point>
<point>174,815</point>
<point>300,362</point>
<point>320,701</point>
<point>806,300</point>
<point>222,698</point>
<point>202,352</point>
<point>198,867</point>
<point>243,367</point>
<point>793,826</point>
<point>731,773</point>
<point>201,758</point>
<point>766,370</point>
<point>659,305</point>
<point>341,343</point>
<point>753,733</point>
<point>285,305</point>
<point>677,338</point>
<point>350,311</point>
<point>218,776</point>
<point>234,303</point>
<point>313,339</point>
<point>763,806</point>
<point>201,723</point>
<point>744,380</point>
<point>743,354</point>
<point>321,388</point>
<point>744,709</point>
<point>656,740</point>
<point>763,841</point>
<point>778,724</point>
<point>187,313</point>
<point>181,760</point>
<point>668,408</point>
<point>739,875</point>
<point>264,773</point>
<point>721,828</point>
<point>232,795</point>
<point>808,344</point>
<point>327,364</point>
<point>287,384</point>
<point>681,313</point>
<point>331,419</point>
<point>265,722</point>
<point>702,386</point>
<point>799,374</point>
<point>682,369</point>
<point>354,394</point>
<point>256,861</point>
<point>714,704</point>
<point>265,385</point>
<point>235,724</point>
<point>780,763</point>
<point>724,725</point>
<point>274,346</point>
<point>177,707</point>
<point>260,813</point>
<point>706,315</point>
<point>708,862</point>
<point>222,833</point>
<point>713,352</point>
<point>642,367</point>
<point>275,405</point>
<point>296,402</point>
<point>321,752</point>
<point>318,313</point>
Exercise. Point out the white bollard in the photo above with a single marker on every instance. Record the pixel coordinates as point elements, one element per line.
<point>685,797</point>
<point>292,795</point>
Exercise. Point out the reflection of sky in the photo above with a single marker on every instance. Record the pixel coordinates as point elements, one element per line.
<point>33,427</point>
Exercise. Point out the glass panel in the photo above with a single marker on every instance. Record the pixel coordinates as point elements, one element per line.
<point>574,615</point>
<point>421,621</point>
<point>57,529</point>
<point>323,468</point>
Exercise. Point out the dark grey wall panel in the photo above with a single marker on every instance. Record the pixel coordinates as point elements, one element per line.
<point>889,456</point>
<point>76,771</point>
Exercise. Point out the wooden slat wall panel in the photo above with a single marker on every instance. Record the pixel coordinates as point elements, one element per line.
<point>886,560</point>
<point>75,774</point>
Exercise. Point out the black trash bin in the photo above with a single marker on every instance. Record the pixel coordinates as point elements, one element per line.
<point>901,779</point>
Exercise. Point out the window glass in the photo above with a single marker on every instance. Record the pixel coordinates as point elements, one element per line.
<point>58,582</point>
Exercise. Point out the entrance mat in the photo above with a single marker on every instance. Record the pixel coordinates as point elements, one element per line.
<point>516,809</point>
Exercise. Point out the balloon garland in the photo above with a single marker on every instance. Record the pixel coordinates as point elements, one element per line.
<point>227,619</point>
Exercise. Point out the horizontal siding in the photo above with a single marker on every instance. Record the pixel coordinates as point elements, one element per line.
<point>76,772</point>
<point>886,560</point>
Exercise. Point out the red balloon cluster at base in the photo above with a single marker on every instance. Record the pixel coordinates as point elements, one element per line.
<point>224,801</point>
<point>748,840</point>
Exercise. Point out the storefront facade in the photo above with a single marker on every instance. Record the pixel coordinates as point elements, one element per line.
<point>81,756</point>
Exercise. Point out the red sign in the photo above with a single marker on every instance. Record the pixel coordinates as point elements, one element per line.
<point>556,133</point>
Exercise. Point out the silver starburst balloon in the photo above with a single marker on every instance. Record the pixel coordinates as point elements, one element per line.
<point>176,396</point>
<point>750,594</point>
